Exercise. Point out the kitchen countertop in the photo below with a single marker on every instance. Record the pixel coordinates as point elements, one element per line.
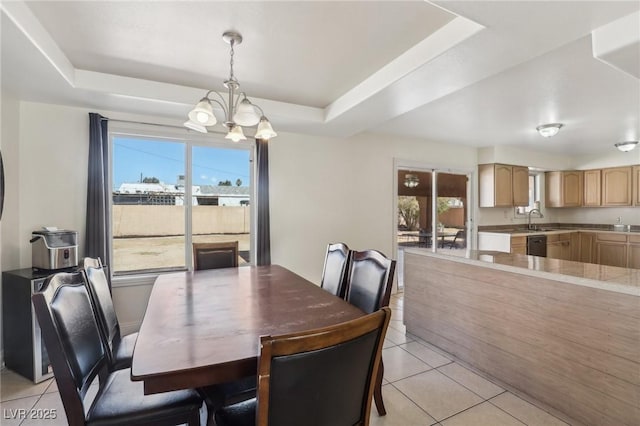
<point>524,232</point>
<point>556,228</point>
<point>612,278</point>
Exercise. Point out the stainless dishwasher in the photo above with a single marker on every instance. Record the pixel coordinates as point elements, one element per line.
<point>537,245</point>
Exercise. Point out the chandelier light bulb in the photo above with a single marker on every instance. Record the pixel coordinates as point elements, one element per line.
<point>265,131</point>
<point>202,117</point>
<point>236,134</point>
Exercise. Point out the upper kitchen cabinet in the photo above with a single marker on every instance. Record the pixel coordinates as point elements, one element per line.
<point>636,185</point>
<point>502,185</point>
<point>563,189</point>
<point>592,188</point>
<point>616,186</point>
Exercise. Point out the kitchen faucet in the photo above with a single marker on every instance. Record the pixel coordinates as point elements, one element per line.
<point>531,211</point>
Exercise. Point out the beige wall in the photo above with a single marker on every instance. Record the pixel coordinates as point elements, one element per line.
<point>132,221</point>
<point>326,190</point>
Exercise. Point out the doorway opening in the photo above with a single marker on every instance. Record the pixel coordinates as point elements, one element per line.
<point>432,213</point>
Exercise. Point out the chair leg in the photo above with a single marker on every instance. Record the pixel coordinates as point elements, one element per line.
<point>377,391</point>
<point>194,419</point>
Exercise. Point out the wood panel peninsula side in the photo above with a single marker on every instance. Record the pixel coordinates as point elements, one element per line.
<point>566,333</point>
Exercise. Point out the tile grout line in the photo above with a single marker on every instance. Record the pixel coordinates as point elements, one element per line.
<point>413,402</point>
<point>432,367</point>
<point>464,386</point>
<point>500,408</point>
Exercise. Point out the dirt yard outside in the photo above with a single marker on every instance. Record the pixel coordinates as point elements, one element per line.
<point>131,254</point>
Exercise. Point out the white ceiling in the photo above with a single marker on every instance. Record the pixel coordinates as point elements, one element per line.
<point>474,73</point>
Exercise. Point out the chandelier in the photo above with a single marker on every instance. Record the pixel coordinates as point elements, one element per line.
<point>411,181</point>
<point>238,109</point>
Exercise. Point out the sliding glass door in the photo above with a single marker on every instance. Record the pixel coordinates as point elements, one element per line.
<point>432,212</point>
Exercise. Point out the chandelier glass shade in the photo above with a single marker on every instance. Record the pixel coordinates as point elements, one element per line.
<point>238,109</point>
<point>411,181</point>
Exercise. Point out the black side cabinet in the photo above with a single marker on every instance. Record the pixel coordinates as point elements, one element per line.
<point>24,349</point>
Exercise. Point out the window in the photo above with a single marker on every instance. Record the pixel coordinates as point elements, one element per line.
<point>534,195</point>
<point>168,193</point>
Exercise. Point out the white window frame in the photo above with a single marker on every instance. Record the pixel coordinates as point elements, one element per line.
<point>190,140</point>
<point>522,212</point>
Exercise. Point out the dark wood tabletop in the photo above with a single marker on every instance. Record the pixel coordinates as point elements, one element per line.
<point>203,327</point>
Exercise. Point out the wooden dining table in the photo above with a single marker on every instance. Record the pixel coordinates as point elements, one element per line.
<point>203,327</point>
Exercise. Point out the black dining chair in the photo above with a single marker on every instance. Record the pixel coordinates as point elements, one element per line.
<point>215,255</point>
<point>120,351</point>
<point>334,273</point>
<point>459,240</point>
<point>78,355</point>
<point>369,288</point>
<point>321,377</point>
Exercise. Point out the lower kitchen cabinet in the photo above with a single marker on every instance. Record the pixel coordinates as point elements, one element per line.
<point>559,246</point>
<point>587,250</point>
<point>518,245</point>
<point>611,249</point>
<point>575,246</point>
<point>634,251</point>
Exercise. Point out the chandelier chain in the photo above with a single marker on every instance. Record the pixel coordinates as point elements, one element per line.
<point>231,77</point>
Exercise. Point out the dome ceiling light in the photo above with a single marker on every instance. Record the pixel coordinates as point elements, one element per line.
<point>626,146</point>
<point>548,130</point>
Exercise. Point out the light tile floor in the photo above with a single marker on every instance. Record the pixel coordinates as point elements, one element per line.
<point>422,386</point>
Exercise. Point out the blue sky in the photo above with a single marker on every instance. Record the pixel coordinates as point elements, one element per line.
<point>134,157</point>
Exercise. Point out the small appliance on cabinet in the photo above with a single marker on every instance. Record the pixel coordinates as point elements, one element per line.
<point>54,249</point>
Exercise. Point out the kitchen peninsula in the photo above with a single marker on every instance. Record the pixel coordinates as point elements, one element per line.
<point>563,332</point>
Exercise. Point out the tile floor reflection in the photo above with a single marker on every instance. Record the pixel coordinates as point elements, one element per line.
<point>422,386</point>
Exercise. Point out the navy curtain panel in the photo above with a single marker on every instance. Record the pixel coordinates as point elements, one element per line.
<point>264,230</point>
<point>98,243</point>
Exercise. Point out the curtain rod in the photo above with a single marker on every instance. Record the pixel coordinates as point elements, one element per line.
<point>159,125</point>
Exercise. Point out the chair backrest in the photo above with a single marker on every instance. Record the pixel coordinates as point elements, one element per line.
<point>72,338</point>
<point>370,279</point>
<point>215,255</point>
<point>323,376</point>
<point>100,294</point>
<point>334,274</point>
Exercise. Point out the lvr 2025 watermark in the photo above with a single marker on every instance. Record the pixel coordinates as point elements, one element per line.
<point>31,413</point>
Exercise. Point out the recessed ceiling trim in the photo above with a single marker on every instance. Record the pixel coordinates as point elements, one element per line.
<point>135,90</point>
<point>454,32</point>
<point>26,21</point>
<point>617,44</point>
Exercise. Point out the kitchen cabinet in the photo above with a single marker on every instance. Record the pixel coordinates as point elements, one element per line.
<point>616,186</point>
<point>575,246</point>
<point>518,245</point>
<point>503,185</point>
<point>636,185</point>
<point>559,246</point>
<point>587,251</point>
<point>592,188</point>
<point>611,249</point>
<point>634,252</point>
<point>520,186</point>
<point>564,189</point>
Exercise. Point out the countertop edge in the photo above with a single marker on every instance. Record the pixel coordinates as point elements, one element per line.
<point>559,231</point>
<point>585,282</point>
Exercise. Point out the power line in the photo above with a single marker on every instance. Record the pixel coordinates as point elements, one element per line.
<point>180,161</point>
